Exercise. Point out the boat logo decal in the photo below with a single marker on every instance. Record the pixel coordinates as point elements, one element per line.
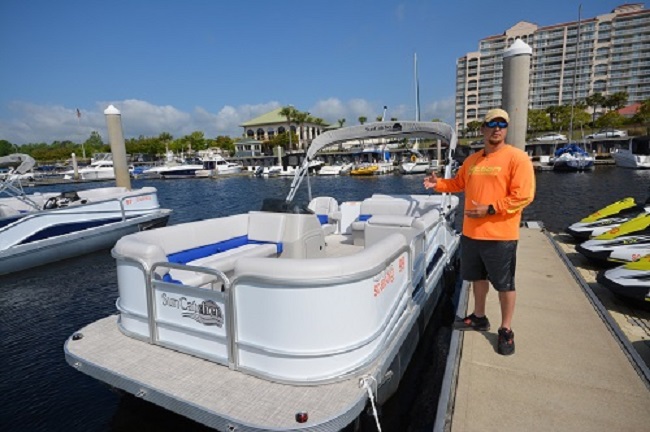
<point>397,127</point>
<point>401,264</point>
<point>207,312</point>
<point>383,279</point>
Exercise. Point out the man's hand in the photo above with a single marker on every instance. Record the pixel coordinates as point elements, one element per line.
<point>430,182</point>
<point>479,210</point>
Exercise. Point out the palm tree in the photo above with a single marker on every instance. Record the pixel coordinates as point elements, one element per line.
<point>363,119</point>
<point>341,122</point>
<point>594,101</point>
<point>290,113</point>
<point>301,118</point>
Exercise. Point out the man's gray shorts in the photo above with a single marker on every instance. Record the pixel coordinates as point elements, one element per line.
<point>494,260</point>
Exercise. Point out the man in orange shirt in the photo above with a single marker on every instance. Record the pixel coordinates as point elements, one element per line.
<point>499,181</point>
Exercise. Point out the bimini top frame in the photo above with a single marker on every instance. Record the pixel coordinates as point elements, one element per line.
<point>392,129</point>
<point>19,164</point>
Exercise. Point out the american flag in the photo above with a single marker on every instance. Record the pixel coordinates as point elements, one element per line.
<point>78,113</point>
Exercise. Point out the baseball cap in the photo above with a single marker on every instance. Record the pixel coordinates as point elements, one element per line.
<point>496,113</point>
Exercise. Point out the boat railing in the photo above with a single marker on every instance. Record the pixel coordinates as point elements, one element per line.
<point>211,303</point>
<point>230,321</point>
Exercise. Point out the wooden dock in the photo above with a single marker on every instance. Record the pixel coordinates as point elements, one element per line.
<point>581,362</point>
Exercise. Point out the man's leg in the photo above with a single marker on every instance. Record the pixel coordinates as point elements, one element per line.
<point>507,300</point>
<point>481,288</point>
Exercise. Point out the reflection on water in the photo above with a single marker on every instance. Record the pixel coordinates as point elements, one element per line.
<point>41,307</point>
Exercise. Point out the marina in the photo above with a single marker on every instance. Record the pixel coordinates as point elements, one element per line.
<point>32,311</point>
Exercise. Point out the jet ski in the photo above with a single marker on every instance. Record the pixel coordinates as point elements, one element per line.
<point>607,218</point>
<point>622,244</point>
<point>631,281</point>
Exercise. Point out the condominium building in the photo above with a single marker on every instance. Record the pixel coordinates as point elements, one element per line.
<point>606,54</point>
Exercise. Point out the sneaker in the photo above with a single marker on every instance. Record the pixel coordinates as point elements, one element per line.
<point>506,345</point>
<point>472,322</point>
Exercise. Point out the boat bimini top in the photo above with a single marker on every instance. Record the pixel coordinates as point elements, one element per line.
<point>391,129</point>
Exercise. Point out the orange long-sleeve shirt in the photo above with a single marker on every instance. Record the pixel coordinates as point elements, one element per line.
<point>505,179</point>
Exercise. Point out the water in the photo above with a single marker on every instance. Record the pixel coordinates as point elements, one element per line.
<point>41,307</point>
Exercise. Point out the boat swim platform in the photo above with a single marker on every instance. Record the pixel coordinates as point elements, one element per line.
<point>203,390</point>
<point>574,368</point>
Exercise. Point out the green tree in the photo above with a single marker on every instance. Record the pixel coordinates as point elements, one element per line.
<point>554,113</point>
<point>616,100</point>
<point>363,119</point>
<point>611,119</point>
<point>594,101</point>
<point>225,143</point>
<point>341,122</point>
<point>538,120</point>
<point>643,115</point>
<point>473,127</point>
<point>6,148</point>
<point>290,113</point>
<point>300,118</point>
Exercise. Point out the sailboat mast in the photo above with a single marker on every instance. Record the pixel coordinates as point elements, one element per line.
<point>575,74</point>
<point>417,88</point>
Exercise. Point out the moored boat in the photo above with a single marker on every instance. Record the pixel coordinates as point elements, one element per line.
<point>268,320</point>
<point>636,155</point>
<point>37,228</point>
<point>217,165</point>
<point>364,170</point>
<point>572,157</point>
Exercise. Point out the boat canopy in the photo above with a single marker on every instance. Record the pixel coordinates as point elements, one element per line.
<point>21,163</point>
<point>390,129</point>
<point>572,149</point>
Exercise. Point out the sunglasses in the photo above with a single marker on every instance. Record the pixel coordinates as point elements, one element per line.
<point>492,124</point>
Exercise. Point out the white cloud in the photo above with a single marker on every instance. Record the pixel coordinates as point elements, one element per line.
<point>31,123</point>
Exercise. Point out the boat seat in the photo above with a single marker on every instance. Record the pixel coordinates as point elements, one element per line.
<point>6,211</point>
<point>223,261</point>
<point>381,226</point>
<point>328,213</point>
<point>389,206</point>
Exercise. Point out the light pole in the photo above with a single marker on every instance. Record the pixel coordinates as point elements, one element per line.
<point>289,117</point>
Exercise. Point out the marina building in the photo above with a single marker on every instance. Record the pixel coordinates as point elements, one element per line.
<point>606,54</point>
<point>266,126</point>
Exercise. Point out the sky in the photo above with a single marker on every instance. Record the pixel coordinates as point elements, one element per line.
<point>210,65</point>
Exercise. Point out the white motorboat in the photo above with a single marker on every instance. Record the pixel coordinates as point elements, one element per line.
<point>268,171</point>
<point>181,170</point>
<point>40,228</point>
<point>101,169</point>
<point>217,165</point>
<point>416,165</point>
<point>636,155</point>
<point>280,319</point>
<point>339,169</point>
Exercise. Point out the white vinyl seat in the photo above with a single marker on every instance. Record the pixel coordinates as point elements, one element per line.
<point>328,212</point>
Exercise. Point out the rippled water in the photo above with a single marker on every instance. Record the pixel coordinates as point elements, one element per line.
<point>41,307</point>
